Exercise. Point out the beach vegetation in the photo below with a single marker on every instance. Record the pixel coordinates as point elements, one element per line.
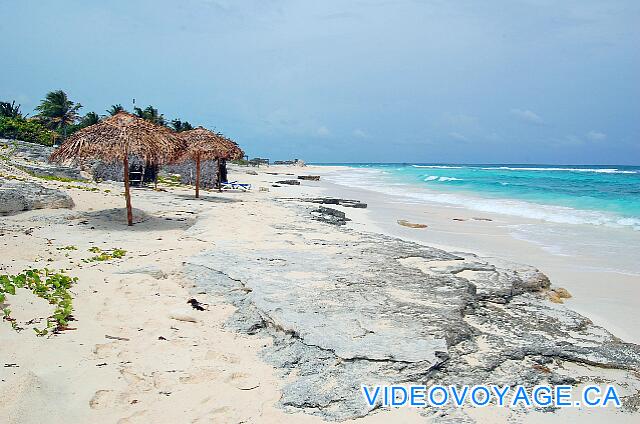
<point>71,247</point>
<point>171,180</point>
<point>115,109</point>
<point>10,110</point>
<point>57,112</point>
<point>180,126</point>
<point>150,114</point>
<point>54,287</point>
<point>26,130</point>
<point>87,120</point>
<point>83,188</point>
<point>105,255</point>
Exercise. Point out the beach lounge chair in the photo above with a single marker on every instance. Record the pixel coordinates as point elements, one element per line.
<point>234,185</point>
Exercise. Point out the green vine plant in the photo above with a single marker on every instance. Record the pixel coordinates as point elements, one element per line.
<point>45,284</point>
<point>105,255</point>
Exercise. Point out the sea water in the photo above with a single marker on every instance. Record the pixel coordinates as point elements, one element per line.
<point>572,206</point>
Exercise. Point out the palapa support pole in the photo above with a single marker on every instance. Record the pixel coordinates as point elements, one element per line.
<point>127,194</point>
<point>197,175</point>
<point>218,173</point>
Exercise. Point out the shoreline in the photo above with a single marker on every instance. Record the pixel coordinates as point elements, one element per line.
<point>179,363</point>
<point>611,305</point>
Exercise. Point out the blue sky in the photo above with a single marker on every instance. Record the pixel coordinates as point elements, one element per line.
<point>520,81</point>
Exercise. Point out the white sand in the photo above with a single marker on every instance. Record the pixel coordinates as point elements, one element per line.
<point>201,372</point>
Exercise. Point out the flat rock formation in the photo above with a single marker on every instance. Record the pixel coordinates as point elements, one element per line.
<point>346,308</point>
<point>33,159</point>
<point>347,203</point>
<point>17,196</point>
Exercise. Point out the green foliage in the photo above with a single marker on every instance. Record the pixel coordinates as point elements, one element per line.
<point>89,119</point>
<point>115,109</point>
<point>26,130</point>
<point>71,247</point>
<point>57,112</point>
<point>105,255</point>
<point>46,284</point>
<point>150,114</point>
<point>180,126</point>
<point>10,110</point>
<point>83,188</point>
<point>171,180</point>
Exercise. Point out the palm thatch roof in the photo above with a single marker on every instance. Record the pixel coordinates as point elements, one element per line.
<point>207,145</point>
<point>234,151</point>
<point>120,136</point>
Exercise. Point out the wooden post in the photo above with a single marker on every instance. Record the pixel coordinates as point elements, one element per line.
<point>127,194</point>
<point>218,182</point>
<point>197,175</point>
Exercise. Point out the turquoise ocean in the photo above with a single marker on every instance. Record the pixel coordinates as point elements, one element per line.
<point>591,213</point>
<point>591,195</point>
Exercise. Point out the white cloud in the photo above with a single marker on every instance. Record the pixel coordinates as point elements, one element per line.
<point>323,131</point>
<point>360,133</point>
<point>596,135</point>
<point>458,136</point>
<point>527,116</point>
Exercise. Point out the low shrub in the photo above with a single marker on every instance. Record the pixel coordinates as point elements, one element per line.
<point>26,130</point>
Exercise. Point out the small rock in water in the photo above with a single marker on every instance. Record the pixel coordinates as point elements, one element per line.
<point>309,177</point>
<point>406,223</point>
<point>482,219</point>
<point>557,295</point>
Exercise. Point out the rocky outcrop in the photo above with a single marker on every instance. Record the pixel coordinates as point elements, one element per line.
<point>33,159</point>
<point>330,216</point>
<point>347,203</point>
<point>347,308</point>
<point>17,196</point>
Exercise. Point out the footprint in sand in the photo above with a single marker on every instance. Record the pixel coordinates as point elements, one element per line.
<point>212,355</point>
<point>201,376</point>
<point>242,381</point>
<point>102,399</point>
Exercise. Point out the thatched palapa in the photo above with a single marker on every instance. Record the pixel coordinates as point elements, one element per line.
<point>116,139</point>
<point>202,144</point>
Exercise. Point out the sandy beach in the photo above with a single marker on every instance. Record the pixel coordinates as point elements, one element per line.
<point>138,351</point>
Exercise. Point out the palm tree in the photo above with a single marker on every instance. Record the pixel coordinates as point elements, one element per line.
<point>180,126</point>
<point>89,119</point>
<point>151,114</point>
<point>115,109</point>
<point>57,112</point>
<point>10,110</point>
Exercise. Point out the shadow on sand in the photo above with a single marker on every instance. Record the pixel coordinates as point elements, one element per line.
<point>116,219</point>
<point>205,197</point>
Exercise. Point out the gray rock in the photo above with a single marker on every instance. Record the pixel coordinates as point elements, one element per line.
<point>329,215</point>
<point>17,196</point>
<point>370,309</point>
<point>150,270</point>
<point>288,182</point>
<point>33,159</point>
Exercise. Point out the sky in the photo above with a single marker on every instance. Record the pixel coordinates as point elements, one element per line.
<point>434,81</point>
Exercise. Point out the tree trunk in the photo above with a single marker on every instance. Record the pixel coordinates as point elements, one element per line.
<point>197,175</point>
<point>127,194</point>
<point>218,182</point>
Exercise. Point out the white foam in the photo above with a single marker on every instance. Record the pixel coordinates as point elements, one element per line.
<point>551,213</point>
<point>596,170</point>
<point>509,168</point>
